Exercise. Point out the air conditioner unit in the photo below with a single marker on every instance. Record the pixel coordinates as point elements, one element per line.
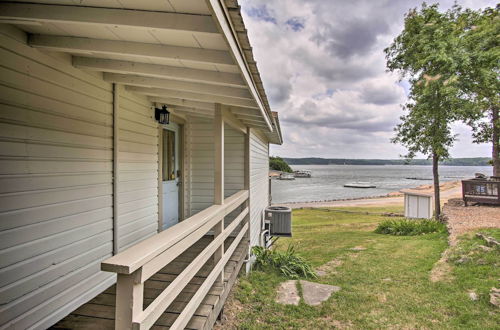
<point>280,221</point>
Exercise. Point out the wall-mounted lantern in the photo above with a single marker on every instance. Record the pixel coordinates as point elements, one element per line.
<point>162,115</point>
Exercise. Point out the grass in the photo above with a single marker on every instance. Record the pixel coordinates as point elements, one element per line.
<point>385,286</point>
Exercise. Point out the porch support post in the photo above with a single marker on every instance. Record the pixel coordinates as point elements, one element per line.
<point>219,155</point>
<point>160,178</point>
<point>246,186</point>
<point>219,179</point>
<point>129,299</point>
<point>116,130</point>
<point>246,179</point>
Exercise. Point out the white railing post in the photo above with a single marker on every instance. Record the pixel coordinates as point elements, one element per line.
<point>246,179</point>
<point>129,299</point>
<point>219,179</point>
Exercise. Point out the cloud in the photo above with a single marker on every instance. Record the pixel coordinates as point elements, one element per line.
<point>356,37</point>
<point>323,68</point>
<point>382,92</point>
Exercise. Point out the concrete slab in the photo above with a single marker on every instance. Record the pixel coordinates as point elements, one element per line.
<point>315,293</point>
<point>288,293</point>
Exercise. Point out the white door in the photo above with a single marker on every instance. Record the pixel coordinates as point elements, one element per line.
<point>171,179</point>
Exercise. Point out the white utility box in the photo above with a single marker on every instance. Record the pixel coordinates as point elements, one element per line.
<point>418,204</point>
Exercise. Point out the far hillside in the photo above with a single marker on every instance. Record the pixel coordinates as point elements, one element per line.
<point>478,161</point>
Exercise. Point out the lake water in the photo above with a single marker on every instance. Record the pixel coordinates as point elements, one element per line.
<point>327,180</point>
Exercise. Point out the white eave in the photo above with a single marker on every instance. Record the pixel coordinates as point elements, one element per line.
<point>187,54</point>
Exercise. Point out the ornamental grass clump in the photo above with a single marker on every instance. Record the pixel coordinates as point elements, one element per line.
<point>287,263</point>
<point>407,227</point>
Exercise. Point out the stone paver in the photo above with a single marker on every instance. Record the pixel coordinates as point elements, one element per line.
<point>315,293</point>
<point>495,297</point>
<point>288,293</point>
<point>312,293</point>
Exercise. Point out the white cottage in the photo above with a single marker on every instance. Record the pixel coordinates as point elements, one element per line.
<point>109,219</point>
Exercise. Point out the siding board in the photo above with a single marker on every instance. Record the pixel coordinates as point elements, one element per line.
<point>137,188</point>
<point>55,184</point>
<point>259,184</point>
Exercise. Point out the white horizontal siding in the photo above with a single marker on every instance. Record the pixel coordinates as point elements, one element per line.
<point>56,152</point>
<point>234,161</point>
<point>137,187</point>
<point>199,150</point>
<point>259,184</point>
<point>200,159</point>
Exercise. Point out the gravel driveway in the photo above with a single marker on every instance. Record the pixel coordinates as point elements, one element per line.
<point>462,219</point>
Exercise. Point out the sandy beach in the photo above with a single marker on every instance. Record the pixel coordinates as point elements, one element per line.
<point>451,189</point>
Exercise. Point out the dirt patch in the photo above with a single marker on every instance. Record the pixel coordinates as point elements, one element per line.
<point>329,267</point>
<point>381,297</point>
<point>441,272</point>
<point>461,219</point>
<point>232,308</point>
<point>327,322</point>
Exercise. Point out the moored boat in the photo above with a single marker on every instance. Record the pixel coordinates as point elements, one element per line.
<point>302,174</point>
<point>359,185</point>
<point>286,176</point>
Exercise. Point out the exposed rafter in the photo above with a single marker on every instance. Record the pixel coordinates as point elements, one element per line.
<point>185,103</point>
<point>232,121</point>
<point>192,112</point>
<point>108,17</point>
<point>177,85</point>
<point>192,96</point>
<point>158,71</point>
<point>136,49</point>
<point>246,112</point>
<point>255,117</point>
<point>254,120</point>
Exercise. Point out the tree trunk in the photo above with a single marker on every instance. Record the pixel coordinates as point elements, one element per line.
<point>496,141</point>
<point>435,174</point>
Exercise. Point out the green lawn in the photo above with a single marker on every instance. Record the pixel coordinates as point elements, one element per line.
<point>385,286</point>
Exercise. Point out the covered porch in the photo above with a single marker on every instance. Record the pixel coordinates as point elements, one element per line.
<point>114,219</point>
<point>99,313</point>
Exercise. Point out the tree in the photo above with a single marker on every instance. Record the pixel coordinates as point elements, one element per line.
<point>278,164</point>
<point>426,54</point>
<point>478,75</point>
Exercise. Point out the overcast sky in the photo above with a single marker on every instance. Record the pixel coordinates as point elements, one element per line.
<point>323,68</point>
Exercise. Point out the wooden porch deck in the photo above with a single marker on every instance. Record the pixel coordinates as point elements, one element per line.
<point>99,313</point>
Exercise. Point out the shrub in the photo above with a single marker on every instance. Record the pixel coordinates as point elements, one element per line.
<point>407,227</point>
<point>287,263</point>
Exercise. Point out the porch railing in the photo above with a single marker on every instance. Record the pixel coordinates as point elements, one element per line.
<point>481,191</point>
<point>138,263</point>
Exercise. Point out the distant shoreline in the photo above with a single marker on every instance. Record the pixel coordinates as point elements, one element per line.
<point>477,161</point>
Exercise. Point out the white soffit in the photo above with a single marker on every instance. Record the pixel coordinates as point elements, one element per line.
<point>189,40</point>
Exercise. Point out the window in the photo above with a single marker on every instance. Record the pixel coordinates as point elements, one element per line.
<point>168,155</point>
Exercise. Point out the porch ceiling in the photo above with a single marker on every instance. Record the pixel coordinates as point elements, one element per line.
<point>187,54</point>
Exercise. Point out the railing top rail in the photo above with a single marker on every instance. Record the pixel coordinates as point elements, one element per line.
<point>136,256</point>
<point>479,181</point>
